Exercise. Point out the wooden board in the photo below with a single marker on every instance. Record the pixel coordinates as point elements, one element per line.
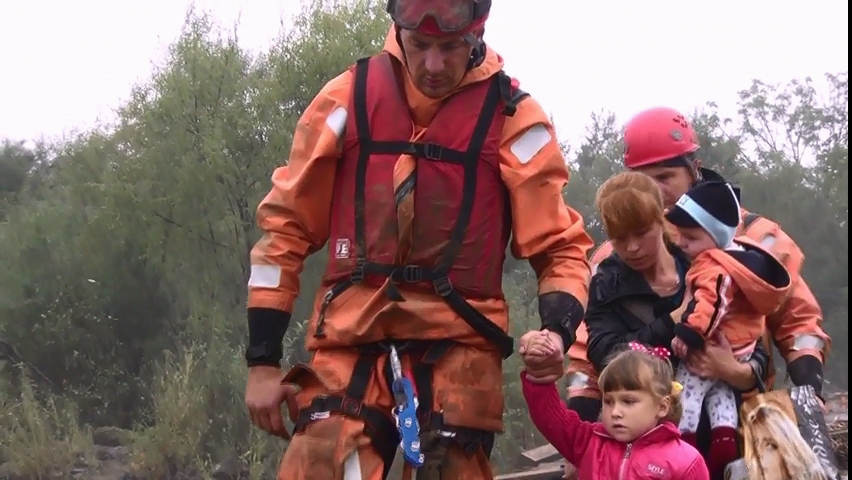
<point>540,454</point>
<point>545,471</point>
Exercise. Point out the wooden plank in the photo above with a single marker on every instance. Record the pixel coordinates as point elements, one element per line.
<point>540,454</point>
<point>545,471</point>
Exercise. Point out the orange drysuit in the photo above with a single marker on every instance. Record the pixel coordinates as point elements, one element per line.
<point>795,327</point>
<point>338,434</point>
<point>732,291</point>
<point>581,374</point>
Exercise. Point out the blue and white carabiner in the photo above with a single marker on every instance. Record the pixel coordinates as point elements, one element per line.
<point>405,413</point>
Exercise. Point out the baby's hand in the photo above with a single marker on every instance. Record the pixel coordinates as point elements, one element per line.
<point>679,348</point>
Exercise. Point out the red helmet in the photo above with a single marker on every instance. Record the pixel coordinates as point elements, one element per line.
<point>657,134</point>
<point>437,17</point>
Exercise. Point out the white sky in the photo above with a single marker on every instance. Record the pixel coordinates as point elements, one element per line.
<point>66,63</point>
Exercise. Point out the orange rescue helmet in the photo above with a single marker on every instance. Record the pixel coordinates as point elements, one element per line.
<point>437,17</point>
<point>656,135</point>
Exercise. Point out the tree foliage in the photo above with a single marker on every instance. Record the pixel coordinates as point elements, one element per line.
<point>123,252</point>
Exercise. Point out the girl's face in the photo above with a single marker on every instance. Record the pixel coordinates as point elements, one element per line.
<point>629,414</point>
<point>640,250</point>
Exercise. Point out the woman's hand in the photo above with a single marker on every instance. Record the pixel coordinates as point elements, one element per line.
<point>716,360</point>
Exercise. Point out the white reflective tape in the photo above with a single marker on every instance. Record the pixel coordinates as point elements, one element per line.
<point>352,467</point>
<point>808,342</point>
<point>767,241</point>
<point>265,276</point>
<point>578,379</point>
<point>530,143</point>
<point>336,120</point>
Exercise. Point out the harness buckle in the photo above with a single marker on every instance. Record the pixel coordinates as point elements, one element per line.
<point>443,286</point>
<point>358,271</point>
<point>351,407</point>
<point>432,151</point>
<point>412,273</point>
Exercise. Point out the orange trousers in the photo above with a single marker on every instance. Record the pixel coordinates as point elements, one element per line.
<point>467,390</point>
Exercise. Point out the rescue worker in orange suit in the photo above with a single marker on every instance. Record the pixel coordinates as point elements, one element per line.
<point>662,143</point>
<point>415,166</point>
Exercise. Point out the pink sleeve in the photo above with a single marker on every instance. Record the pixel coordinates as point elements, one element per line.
<point>562,427</point>
<point>697,470</point>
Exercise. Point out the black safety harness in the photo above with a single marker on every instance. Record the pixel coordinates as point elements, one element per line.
<point>379,425</point>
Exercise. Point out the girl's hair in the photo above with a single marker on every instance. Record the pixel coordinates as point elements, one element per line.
<point>629,202</point>
<point>768,427</point>
<point>645,370</point>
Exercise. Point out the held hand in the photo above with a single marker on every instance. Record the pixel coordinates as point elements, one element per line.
<point>543,357</point>
<point>264,396</point>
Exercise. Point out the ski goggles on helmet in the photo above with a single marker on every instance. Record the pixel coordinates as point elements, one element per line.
<point>448,15</point>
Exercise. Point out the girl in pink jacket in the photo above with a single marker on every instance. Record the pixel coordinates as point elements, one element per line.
<point>637,437</point>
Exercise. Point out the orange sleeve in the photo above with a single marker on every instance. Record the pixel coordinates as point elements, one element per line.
<point>294,215</point>
<point>545,230</point>
<point>796,327</point>
<point>712,292</point>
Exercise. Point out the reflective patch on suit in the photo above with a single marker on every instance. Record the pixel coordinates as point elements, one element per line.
<point>808,342</point>
<point>336,120</point>
<point>530,143</point>
<point>577,379</point>
<point>768,241</point>
<point>352,467</point>
<point>265,276</point>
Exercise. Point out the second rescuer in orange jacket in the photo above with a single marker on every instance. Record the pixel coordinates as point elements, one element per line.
<point>661,143</point>
<point>415,166</point>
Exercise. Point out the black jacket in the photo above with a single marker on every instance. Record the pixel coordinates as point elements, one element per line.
<point>623,307</point>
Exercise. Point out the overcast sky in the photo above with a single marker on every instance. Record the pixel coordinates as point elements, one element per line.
<point>66,63</point>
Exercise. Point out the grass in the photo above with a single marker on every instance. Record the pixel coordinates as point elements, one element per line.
<point>41,437</point>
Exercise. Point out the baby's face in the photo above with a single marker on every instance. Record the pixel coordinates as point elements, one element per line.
<point>694,240</point>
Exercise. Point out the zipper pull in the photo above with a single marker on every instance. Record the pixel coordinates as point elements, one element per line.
<point>326,299</point>
<point>629,448</point>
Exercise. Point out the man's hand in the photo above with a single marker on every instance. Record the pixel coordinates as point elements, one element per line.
<point>543,357</point>
<point>264,395</point>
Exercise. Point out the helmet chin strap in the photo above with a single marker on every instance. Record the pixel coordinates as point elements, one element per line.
<point>477,54</point>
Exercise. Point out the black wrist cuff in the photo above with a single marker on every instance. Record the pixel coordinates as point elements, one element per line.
<point>806,370</point>
<point>690,337</point>
<point>562,313</point>
<point>267,327</point>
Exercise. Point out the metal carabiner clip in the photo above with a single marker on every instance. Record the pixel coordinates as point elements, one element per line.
<point>405,413</point>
